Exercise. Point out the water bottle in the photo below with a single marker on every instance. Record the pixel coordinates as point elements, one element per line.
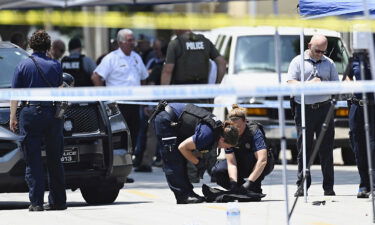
<point>233,214</point>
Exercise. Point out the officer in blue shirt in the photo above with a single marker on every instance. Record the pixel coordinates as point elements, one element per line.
<point>357,124</point>
<point>39,126</point>
<point>248,160</point>
<point>182,128</point>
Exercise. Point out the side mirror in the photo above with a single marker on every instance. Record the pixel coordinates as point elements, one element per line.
<point>68,79</point>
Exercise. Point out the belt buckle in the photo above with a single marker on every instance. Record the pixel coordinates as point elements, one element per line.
<point>315,106</point>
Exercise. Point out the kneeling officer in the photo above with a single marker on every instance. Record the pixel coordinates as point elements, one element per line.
<point>249,160</point>
<point>182,128</point>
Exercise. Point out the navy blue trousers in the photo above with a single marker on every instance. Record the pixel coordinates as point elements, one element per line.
<point>40,127</point>
<point>174,162</point>
<point>358,141</point>
<point>314,120</point>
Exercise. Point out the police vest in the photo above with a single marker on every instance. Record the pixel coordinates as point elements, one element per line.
<point>245,153</point>
<point>192,65</point>
<point>191,116</point>
<point>74,66</point>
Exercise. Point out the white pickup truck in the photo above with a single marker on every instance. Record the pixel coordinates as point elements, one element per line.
<point>250,51</point>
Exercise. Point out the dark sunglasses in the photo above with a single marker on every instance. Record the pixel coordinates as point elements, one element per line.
<point>319,51</point>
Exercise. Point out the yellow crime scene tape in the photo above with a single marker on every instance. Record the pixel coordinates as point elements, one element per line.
<point>115,19</point>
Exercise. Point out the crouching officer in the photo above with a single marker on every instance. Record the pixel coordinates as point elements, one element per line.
<point>357,122</point>
<point>180,129</point>
<point>249,160</point>
<point>39,126</point>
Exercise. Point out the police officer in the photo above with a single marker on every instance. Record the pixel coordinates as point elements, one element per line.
<point>182,128</point>
<point>187,60</point>
<point>357,123</point>
<point>318,68</point>
<point>77,64</point>
<point>248,160</point>
<point>39,126</point>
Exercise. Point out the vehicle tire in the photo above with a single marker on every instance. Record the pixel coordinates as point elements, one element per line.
<point>100,194</point>
<point>347,156</point>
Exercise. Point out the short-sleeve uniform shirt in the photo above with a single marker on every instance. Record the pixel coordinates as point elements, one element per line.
<point>324,68</point>
<point>118,69</point>
<point>203,136</point>
<point>26,74</point>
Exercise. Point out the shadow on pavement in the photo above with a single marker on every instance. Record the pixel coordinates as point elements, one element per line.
<point>13,205</point>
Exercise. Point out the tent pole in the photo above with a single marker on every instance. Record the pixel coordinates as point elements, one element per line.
<point>370,154</point>
<point>281,114</point>
<point>303,113</point>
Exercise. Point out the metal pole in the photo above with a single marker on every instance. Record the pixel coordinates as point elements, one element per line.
<point>367,133</point>
<point>370,154</point>
<point>281,114</point>
<point>303,114</point>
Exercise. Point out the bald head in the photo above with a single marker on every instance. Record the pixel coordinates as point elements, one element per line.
<point>318,46</point>
<point>57,49</point>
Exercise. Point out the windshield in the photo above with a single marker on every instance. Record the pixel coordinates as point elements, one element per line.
<point>9,59</point>
<point>257,53</point>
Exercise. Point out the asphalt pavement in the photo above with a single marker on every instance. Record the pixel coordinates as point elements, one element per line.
<point>148,201</point>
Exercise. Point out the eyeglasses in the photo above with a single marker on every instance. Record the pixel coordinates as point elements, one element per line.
<point>317,51</point>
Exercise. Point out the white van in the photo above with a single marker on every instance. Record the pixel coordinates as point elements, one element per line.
<point>250,51</point>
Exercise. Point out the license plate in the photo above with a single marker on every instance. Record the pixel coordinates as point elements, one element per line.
<point>70,155</point>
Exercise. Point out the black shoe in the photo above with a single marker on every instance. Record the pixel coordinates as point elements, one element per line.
<point>190,200</point>
<point>36,208</point>
<point>129,180</point>
<point>299,193</point>
<point>143,168</point>
<point>158,163</point>
<point>329,193</point>
<point>363,193</point>
<point>50,207</point>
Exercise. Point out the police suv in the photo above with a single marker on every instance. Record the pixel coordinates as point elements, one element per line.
<point>250,53</point>
<point>97,150</point>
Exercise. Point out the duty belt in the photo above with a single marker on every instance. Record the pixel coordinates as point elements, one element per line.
<point>38,103</point>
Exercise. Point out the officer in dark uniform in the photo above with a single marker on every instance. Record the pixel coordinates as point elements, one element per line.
<point>248,160</point>
<point>187,60</point>
<point>39,126</point>
<point>182,128</point>
<point>78,65</point>
<point>357,124</point>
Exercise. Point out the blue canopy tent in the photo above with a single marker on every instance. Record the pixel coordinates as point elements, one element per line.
<point>324,8</point>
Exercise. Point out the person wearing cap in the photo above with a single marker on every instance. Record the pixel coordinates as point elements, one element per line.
<point>247,163</point>
<point>78,65</point>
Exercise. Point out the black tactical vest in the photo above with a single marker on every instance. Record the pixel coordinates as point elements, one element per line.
<point>192,116</point>
<point>74,66</point>
<point>245,153</point>
<point>192,65</point>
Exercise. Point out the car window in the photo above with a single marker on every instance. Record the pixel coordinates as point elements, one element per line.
<point>257,53</point>
<point>227,49</point>
<point>9,59</point>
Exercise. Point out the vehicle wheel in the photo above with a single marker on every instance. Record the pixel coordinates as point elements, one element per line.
<point>348,156</point>
<point>100,194</point>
